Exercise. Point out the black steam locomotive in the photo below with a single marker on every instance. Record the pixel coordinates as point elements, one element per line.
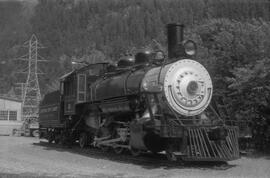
<point>149,102</point>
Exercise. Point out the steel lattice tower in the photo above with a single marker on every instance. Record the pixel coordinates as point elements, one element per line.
<point>31,92</point>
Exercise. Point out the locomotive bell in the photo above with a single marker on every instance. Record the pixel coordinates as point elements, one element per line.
<point>142,57</point>
<point>126,61</point>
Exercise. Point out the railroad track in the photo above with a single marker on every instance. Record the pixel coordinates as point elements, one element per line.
<point>146,159</point>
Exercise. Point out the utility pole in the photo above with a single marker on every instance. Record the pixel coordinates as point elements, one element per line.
<point>31,91</point>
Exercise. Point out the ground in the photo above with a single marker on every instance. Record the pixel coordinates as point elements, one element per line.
<point>28,157</point>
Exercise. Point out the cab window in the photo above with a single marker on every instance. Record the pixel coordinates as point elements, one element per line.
<point>69,88</point>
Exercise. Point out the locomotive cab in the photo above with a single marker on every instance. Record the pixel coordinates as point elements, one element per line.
<point>75,84</point>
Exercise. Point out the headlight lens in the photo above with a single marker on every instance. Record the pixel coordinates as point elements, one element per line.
<point>190,47</point>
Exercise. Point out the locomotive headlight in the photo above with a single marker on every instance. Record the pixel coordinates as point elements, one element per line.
<point>190,47</point>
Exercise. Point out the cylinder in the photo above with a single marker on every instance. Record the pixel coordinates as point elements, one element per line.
<point>175,35</point>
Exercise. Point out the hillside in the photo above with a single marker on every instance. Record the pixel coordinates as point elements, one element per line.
<point>232,37</point>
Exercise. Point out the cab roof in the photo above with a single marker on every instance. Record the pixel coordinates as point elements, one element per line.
<point>63,77</point>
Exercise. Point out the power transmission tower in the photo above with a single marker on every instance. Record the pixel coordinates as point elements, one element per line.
<point>31,91</point>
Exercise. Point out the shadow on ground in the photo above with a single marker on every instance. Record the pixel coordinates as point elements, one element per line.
<point>148,161</point>
<point>31,175</point>
<point>255,155</point>
<point>23,175</point>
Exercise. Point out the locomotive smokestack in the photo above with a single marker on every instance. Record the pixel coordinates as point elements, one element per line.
<point>175,36</point>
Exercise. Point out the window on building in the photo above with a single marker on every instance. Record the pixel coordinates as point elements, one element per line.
<point>12,115</point>
<point>3,115</point>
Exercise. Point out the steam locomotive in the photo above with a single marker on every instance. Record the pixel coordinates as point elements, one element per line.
<point>148,103</point>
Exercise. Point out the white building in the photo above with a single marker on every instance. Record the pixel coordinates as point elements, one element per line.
<point>10,115</point>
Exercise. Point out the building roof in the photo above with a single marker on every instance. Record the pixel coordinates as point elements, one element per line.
<point>10,98</point>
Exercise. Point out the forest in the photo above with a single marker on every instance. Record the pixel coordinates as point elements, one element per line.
<point>232,37</point>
